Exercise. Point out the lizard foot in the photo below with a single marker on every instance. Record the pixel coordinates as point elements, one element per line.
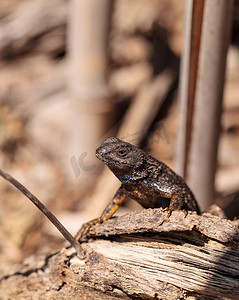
<point>166,209</point>
<point>81,235</point>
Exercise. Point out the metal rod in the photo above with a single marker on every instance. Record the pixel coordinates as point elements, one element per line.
<point>187,81</point>
<point>46,212</point>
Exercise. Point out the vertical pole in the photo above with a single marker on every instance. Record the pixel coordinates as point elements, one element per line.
<point>187,80</point>
<point>88,33</point>
<point>208,99</point>
<point>88,30</point>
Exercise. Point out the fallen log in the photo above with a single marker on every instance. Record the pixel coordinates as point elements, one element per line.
<point>143,255</point>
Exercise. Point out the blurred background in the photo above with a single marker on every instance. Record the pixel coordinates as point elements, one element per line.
<point>73,72</point>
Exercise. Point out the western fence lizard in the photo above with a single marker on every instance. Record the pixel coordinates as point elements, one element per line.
<point>144,179</point>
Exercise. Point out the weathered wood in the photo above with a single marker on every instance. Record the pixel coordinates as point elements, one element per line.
<point>141,254</point>
<point>155,220</point>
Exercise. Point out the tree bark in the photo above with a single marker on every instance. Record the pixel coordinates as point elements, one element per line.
<point>143,255</point>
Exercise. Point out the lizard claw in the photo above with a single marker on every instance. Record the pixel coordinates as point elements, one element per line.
<point>185,212</point>
<point>82,233</point>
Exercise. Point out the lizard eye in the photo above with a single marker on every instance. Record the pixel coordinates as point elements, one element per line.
<point>122,152</point>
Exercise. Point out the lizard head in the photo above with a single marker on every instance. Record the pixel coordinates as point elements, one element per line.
<point>121,157</point>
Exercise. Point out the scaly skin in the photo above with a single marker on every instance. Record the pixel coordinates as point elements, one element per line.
<point>144,179</point>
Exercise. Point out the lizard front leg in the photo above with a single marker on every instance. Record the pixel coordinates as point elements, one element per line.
<point>176,202</point>
<point>119,198</point>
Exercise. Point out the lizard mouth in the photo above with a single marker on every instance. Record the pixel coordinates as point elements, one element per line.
<point>100,157</point>
<point>104,159</point>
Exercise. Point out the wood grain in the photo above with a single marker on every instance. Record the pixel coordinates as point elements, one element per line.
<point>141,254</point>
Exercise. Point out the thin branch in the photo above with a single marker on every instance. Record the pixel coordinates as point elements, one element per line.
<point>46,212</point>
